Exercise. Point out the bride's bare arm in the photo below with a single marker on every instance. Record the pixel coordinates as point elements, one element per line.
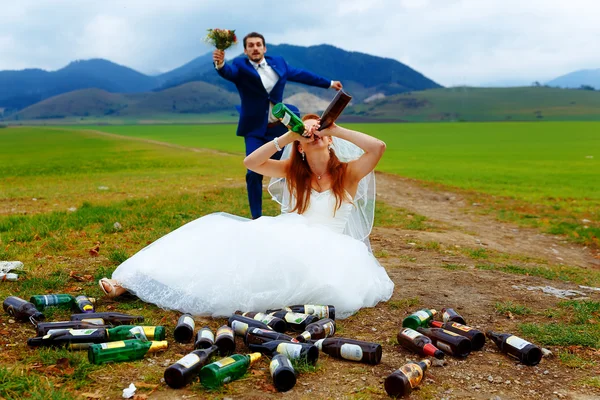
<point>373,148</point>
<point>260,160</point>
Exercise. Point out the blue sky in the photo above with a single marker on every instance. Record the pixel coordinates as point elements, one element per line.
<point>454,42</point>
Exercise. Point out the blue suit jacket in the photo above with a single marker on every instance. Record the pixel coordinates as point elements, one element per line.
<point>255,99</point>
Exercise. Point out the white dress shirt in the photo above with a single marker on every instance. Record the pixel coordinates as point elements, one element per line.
<point>269,79</point>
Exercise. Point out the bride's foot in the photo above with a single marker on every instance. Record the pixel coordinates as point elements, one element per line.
<point>111,288</point>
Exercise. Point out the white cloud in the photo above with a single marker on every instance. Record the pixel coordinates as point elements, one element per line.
<point>451,41</point>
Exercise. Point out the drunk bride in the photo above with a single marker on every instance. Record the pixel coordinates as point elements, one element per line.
<point>315,252</point>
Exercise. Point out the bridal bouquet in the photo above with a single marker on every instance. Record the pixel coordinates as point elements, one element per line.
<point>222,39</point>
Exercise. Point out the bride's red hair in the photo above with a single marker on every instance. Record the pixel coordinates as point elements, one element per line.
<point>299,176</point>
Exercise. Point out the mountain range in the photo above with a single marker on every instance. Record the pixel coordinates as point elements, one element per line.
<point>577,79</point>
<point>117,89</point>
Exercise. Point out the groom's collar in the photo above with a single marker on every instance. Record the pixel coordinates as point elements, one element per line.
<point>263,63</point>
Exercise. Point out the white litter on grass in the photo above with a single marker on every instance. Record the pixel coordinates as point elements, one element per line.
<point>102,187</point>
<point>6,266</point>
<point>4,276</point>
<point>594,289</point>
<point>129,392</point>
<point>560,293</point>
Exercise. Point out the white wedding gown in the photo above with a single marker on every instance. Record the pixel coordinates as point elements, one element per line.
<point>221,263</point>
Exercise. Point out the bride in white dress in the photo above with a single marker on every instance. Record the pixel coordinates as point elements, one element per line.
<point>315,252</point>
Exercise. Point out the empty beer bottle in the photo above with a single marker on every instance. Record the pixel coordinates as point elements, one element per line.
<point>282,372</point>
<point>288,118</point>
<point>418,343</point>
<point>334,109</point>
<point>123,332</point>
<point>350,349</point>
<point>524,351</point>
<point>22,310</point>
<point>52,300</point>
<point>260,336</point>
<point>296,321</point>
<point>418,319</point>
<point>226,370</point>
<point>476,337</point>
<point>42,328</point>
<point>449,315</point>
<point>63,337</point>
<point>187,368</point>
<point>184,331</point>
<point>125,350</point>
<point>110,318</point>
<point>450,342</point>
<point>224,340</point>
<point>204,338</point>
<point>293,351</point>
<point>240,324</point>
<point>401,382</point>
<point>310,309</point>
<point>320,329</point>
<point>84,304</point>
<point>277,324</point>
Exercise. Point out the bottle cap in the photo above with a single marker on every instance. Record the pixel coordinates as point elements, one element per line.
<point>254,357</point>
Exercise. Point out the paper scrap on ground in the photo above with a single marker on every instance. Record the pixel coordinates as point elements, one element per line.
<point>560,293</point>
<point>6,266</point>
<point>129,392</point>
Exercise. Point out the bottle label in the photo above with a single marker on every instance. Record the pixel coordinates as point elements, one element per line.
<point>447,332</point>
<point>351,352</point>
<point>225,361</point>
<point>140,333</point>
<point>422,315</point>
<point>295,318</point>
<point>329,328</point>
<point>446,316</point>
<point>207,334</point>
<point>189,322</point>
<point>444,346</point>
<point>95,321</point>
<point>264,318</point>
<point>273,366</point>
<point>149,331</point>
<point>286,119</point>
<point>82,332</point>
<point>225,331</point>
<point>50,299</point>
<point>413,372</point>
<point>112,345</point>
<point>290,349</point>
<point>319,344</point>
<point>410,333</point>
<point>517,342</point>
<point>462,327</point>
<point>239,327</point>
<point>189,361</point>
<point>319,311</point>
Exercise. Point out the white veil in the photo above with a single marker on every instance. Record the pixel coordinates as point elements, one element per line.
<point>360,221</point>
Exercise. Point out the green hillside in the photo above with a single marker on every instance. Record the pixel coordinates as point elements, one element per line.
<point>484,104</point>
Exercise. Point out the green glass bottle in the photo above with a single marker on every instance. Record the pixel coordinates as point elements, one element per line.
<point>227,369</point>
<point>288,118</point>
<point>125,350</point>
<point>52,300</point>
<point>419,319</point>
<point>123,332</point>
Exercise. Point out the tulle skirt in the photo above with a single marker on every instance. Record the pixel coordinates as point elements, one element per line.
<point>221,263</point>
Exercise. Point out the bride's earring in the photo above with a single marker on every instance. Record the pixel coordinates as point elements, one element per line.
<point>330,147</point>
<point>303,156</point>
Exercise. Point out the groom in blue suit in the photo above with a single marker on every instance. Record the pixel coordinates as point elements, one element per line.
<point>260,81</point>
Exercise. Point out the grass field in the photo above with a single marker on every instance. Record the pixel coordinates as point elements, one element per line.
<point>63,190</point>
<point>543,174</point>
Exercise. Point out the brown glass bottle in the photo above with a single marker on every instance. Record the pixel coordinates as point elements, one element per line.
<point>350,349</point>
<point>241,324</point>
<point>204,338</point>
<point>334,109</point>
<point>225,340</point>
<point>110,318</point>
<point>63,337</point>
<point>22,310</point>
<point>320,329</point>
<point>277,324</point>
<point>450,342</point>
<point>184,331</point>
<point>476,337</point>
<point>402,382</point>
<point>449,315</point>
<point>310,309</point>
<point>282,372</point>
<point>260,336</point>
<point>42,328</point>
<point>296,321</point>
<point>188,368</point>
<point>418,343</point>
<point>524,351</point>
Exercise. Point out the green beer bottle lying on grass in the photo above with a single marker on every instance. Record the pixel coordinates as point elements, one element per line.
<point>52,300</point>
<point>125,350</point>
<point>227,369</point>
<point>124,332</point>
